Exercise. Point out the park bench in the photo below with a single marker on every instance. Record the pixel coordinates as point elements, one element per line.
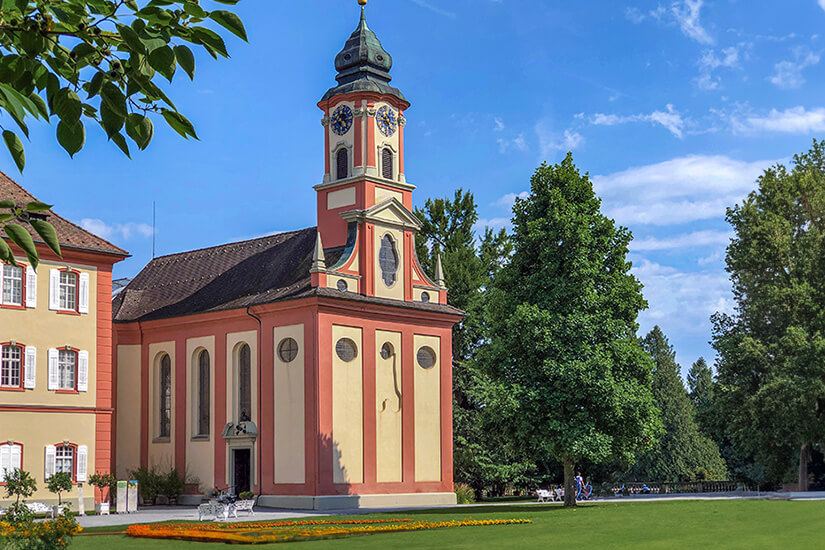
<point>216,510</point>
<point>545,495</point>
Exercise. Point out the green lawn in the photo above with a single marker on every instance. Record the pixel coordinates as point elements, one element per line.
<point>684,524</point>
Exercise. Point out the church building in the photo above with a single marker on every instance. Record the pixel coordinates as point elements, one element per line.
<point>312,367</point>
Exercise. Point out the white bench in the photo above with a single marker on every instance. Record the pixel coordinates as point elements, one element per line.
<point>245,506</point>
<point>216,510</point>
<point>545,495</point>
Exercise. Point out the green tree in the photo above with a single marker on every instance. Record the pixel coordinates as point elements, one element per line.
<point>683,453</point>
<point>98,62</point>
<point>448,232</point>
<point>770,368</point>
<point>59,483</point>
<point>570,379</point>
<point>701,387</point>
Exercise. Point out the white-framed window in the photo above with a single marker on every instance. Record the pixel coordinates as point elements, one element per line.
<point>11,366</point>
<point>11,458</point>
<point>165,397</point>
<point>12,278</point>
<point>64,459</point>
<point>67,291</point>
<point>66,369</point>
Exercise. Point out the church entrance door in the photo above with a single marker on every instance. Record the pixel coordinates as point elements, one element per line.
<point>242,470</point>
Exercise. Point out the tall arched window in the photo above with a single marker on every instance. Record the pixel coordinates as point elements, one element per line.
<point>386,163</point>
<point>342,162</point>
<point>203,393</point>
<point>244,383</point>
<point>165,397</point>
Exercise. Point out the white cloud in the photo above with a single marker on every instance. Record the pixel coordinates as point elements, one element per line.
<point>498,124</point>
<point>677,191</point>
<point>789,73</point>
<point>671,120</point>
<point>518,143</point>
<point>822,4</point>
<point>796,120</point>
<point>123,231</point>
<point>696,239</point>
<point>507,201</point>
<point>687,14</point>
<point>491,223</point>
<point>682,301</point>
<point>550,142</point>
<point>711,61</point>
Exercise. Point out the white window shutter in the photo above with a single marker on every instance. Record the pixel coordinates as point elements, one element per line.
<point>30,368</point>
<point>83,293</point>
<point>83,371</point>
<point>54,381</point>
<point>82,458</point>
<point>2,269</point>
<point>51,459</point>
<point>31,287</point>
<point>5,461</point>
<point>54,289</point>
<point>16,457</point>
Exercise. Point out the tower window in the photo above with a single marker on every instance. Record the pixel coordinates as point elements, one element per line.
<point>386,163</point>
<point>342,161</point>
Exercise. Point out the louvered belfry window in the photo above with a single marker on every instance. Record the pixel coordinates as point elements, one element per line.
<point>342,160</point>
<point>386,163</point>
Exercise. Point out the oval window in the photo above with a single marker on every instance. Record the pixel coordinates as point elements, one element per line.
<point>387,351</point>
<point>346,350</point>
<point>388,260</point>
<point>288,350</point>
<point>425,297</point>
<point>426,357</point>
<point>342,285</point>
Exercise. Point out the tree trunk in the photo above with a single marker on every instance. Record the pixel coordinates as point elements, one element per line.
<point>803,467</point>
<point>569,483</point>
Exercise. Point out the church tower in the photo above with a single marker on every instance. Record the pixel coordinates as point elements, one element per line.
<point>364,201</point>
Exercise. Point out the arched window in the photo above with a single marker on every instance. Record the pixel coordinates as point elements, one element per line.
<point>203,393</point>
<point>386,163</point>
<point>165,397</point>
<point>388,260</point>
<point>342,162</point>
<point>244,383</point>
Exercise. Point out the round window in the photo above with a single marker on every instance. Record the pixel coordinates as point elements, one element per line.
<point>342,285</point>
<point>426,357</point>
<point>288,350</point>
<point>425,297</point>
<point>387,351</point>
<point>346,350</point>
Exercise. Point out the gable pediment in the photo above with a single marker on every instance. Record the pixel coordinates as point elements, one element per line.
<point>387,212</point>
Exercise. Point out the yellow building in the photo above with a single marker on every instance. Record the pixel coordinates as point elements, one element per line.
<point>56,393</point>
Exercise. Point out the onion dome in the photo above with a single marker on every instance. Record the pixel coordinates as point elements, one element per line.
<point>363,65</point>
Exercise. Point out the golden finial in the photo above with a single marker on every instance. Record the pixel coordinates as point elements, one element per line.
<point>362,2</point>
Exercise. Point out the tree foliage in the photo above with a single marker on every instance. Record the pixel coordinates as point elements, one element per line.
<point>19,484</point>
<point>570,379</point>
<point>683,453</point>
<point>448,231</point>
<point>770,368</point>
<point>59,483</point>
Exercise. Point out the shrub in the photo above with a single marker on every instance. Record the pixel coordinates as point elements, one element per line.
<point>60,482</point>
<point>149,482</point>
<point>172,484</point>
<point>464,493</point>
<point>43,535</point>
<point>103,481</point>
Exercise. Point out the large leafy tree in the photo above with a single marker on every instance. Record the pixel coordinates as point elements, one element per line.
<point>469,265</point>
<point>683,453</point>
<point>96,62</point>
<point>770,367</point>
<point>571,380</point>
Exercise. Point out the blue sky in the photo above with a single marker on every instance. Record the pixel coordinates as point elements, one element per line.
<point>673,107</point>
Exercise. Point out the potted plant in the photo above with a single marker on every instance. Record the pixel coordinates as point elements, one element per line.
<point>102,482</point>
<point>148,484</point>
<point>59,483</point>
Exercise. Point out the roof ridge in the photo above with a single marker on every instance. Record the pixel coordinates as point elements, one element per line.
<point>295,231</point>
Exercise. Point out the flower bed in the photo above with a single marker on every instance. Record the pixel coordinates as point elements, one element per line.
<point>54,535</point>
<point>290,531</point>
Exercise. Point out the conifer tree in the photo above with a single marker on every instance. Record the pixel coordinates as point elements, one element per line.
<point>683,453</point>
<point>570,379</point>
<point>700,390</point>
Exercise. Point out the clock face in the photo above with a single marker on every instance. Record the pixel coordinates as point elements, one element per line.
<point>387,120</point>
<point>341,120</point>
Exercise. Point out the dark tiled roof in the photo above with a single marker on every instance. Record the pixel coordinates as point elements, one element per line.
<point>69,234</point>
<point>233,276</point>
